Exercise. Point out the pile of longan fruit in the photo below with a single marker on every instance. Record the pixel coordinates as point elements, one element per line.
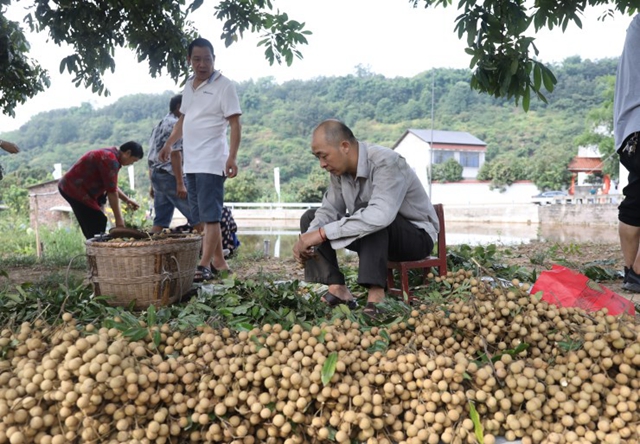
<point>494,362</point>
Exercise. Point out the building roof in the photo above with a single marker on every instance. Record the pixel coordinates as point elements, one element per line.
<point>585,164</point>
<point>42,184</point>
<point>443,137</point>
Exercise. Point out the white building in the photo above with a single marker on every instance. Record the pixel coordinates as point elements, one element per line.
<point>416,146</point>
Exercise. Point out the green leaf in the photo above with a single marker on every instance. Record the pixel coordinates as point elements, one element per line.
<point>157,337</point>
<point>378,346</point>
<point>477,425</point>
<point>548,78</point>
<point>537,77</point>
<point>243,326</point>
<point>329,367</point>
<point>514,66</point>
<point>256,341</point>
<point>526,98</point>
<point>135,334</point>
<point>151,316</point>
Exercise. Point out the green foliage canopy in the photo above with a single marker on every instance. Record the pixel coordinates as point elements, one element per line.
<point>159,31</point>
<point>502,54</point>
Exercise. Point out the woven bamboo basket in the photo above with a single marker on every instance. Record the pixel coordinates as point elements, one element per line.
<point>139,273</point>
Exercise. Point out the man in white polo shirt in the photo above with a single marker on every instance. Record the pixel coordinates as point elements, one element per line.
<point>209,105</point>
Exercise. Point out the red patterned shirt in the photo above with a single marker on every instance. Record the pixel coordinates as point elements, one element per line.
<point>93,175</point>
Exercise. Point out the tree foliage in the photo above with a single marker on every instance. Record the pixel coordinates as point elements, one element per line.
<point>599,128</point>
<point>278,120</point>
<point>499,40</point>
<point>449,171</point>
<point>498,35</point>
<point>159,31</point>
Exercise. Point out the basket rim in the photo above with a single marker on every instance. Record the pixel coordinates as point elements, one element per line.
<point>95,243</point>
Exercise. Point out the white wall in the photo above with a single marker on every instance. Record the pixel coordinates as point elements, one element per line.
<point>417,152</point>
<point>478,193</point>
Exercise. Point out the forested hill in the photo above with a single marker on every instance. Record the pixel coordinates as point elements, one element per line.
<point>278,119</point>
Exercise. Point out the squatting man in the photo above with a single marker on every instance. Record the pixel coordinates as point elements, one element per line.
<point>375,205</point>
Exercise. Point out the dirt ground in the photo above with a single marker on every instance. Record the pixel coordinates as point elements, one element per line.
<point>285,268</point>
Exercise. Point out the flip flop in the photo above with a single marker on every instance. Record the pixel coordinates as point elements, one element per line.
<point>333,301</point>
<point>202,274</point>
<point>372,311</point>
<point>220,273</point>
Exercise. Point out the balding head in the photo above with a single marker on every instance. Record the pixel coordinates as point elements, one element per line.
<point>335,132</point>
<point>335,146</point>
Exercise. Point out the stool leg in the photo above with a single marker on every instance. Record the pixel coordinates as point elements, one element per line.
<point>405,281</point>
<point>390,281</point>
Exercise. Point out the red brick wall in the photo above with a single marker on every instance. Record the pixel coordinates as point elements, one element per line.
<point>48,197</point>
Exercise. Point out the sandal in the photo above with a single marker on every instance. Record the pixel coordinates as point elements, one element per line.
<point>334,301</point>
<point>202,274</point>
<point>373,311</point>
<point>222,273</point>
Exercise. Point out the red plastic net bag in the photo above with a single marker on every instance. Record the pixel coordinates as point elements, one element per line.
<point>564,287</point>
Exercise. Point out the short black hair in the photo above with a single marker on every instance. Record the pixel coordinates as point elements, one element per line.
<point>335,132</point>
<point>201,43</point>
<point>134,148</point>
<point>175,102</point>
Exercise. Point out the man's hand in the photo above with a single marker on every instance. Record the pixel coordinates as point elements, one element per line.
<point>181,191</point>
<point>304,249</point>
<point>302,252</point>
<point>152,194</point>
<point>164,154</point>
<point>231,168</point>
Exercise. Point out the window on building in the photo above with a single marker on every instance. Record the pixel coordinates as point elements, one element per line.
<point>442,156</point>
<point>470,159</point>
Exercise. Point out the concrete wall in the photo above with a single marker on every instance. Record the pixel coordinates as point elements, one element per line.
<point>588,214</point>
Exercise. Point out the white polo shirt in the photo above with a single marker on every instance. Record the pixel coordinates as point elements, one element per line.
<point>204,130</point>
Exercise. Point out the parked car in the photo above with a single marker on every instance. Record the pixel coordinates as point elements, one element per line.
<point>549,197</point>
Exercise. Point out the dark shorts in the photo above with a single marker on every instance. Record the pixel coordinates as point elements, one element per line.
<point>206,196</point>
<point>629,209</point>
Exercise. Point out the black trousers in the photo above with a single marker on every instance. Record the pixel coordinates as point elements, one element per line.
<point>91,221</point>
<point>400,241</point>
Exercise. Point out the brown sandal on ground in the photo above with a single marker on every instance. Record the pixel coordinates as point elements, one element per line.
<point>372,311</point>
<point>333,301</point>
<point>223,274</point>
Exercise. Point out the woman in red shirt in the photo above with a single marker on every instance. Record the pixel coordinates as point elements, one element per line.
<point>93,180</point>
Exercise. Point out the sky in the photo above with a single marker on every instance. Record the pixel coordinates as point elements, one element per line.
<point>388,37</point>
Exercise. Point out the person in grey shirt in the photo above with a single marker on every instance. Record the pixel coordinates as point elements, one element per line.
<point>375,205</point>
<point>167,183</point>
<point>626,130</point>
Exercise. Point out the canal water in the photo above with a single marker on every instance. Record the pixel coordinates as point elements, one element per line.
<point>278,241</point>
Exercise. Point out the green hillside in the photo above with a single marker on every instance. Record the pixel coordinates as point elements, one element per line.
<point>278,119</point>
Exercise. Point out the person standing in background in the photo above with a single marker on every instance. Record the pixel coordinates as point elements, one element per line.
<point>167,182</point>
<point>626,130</point>
<point>210,105</point>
